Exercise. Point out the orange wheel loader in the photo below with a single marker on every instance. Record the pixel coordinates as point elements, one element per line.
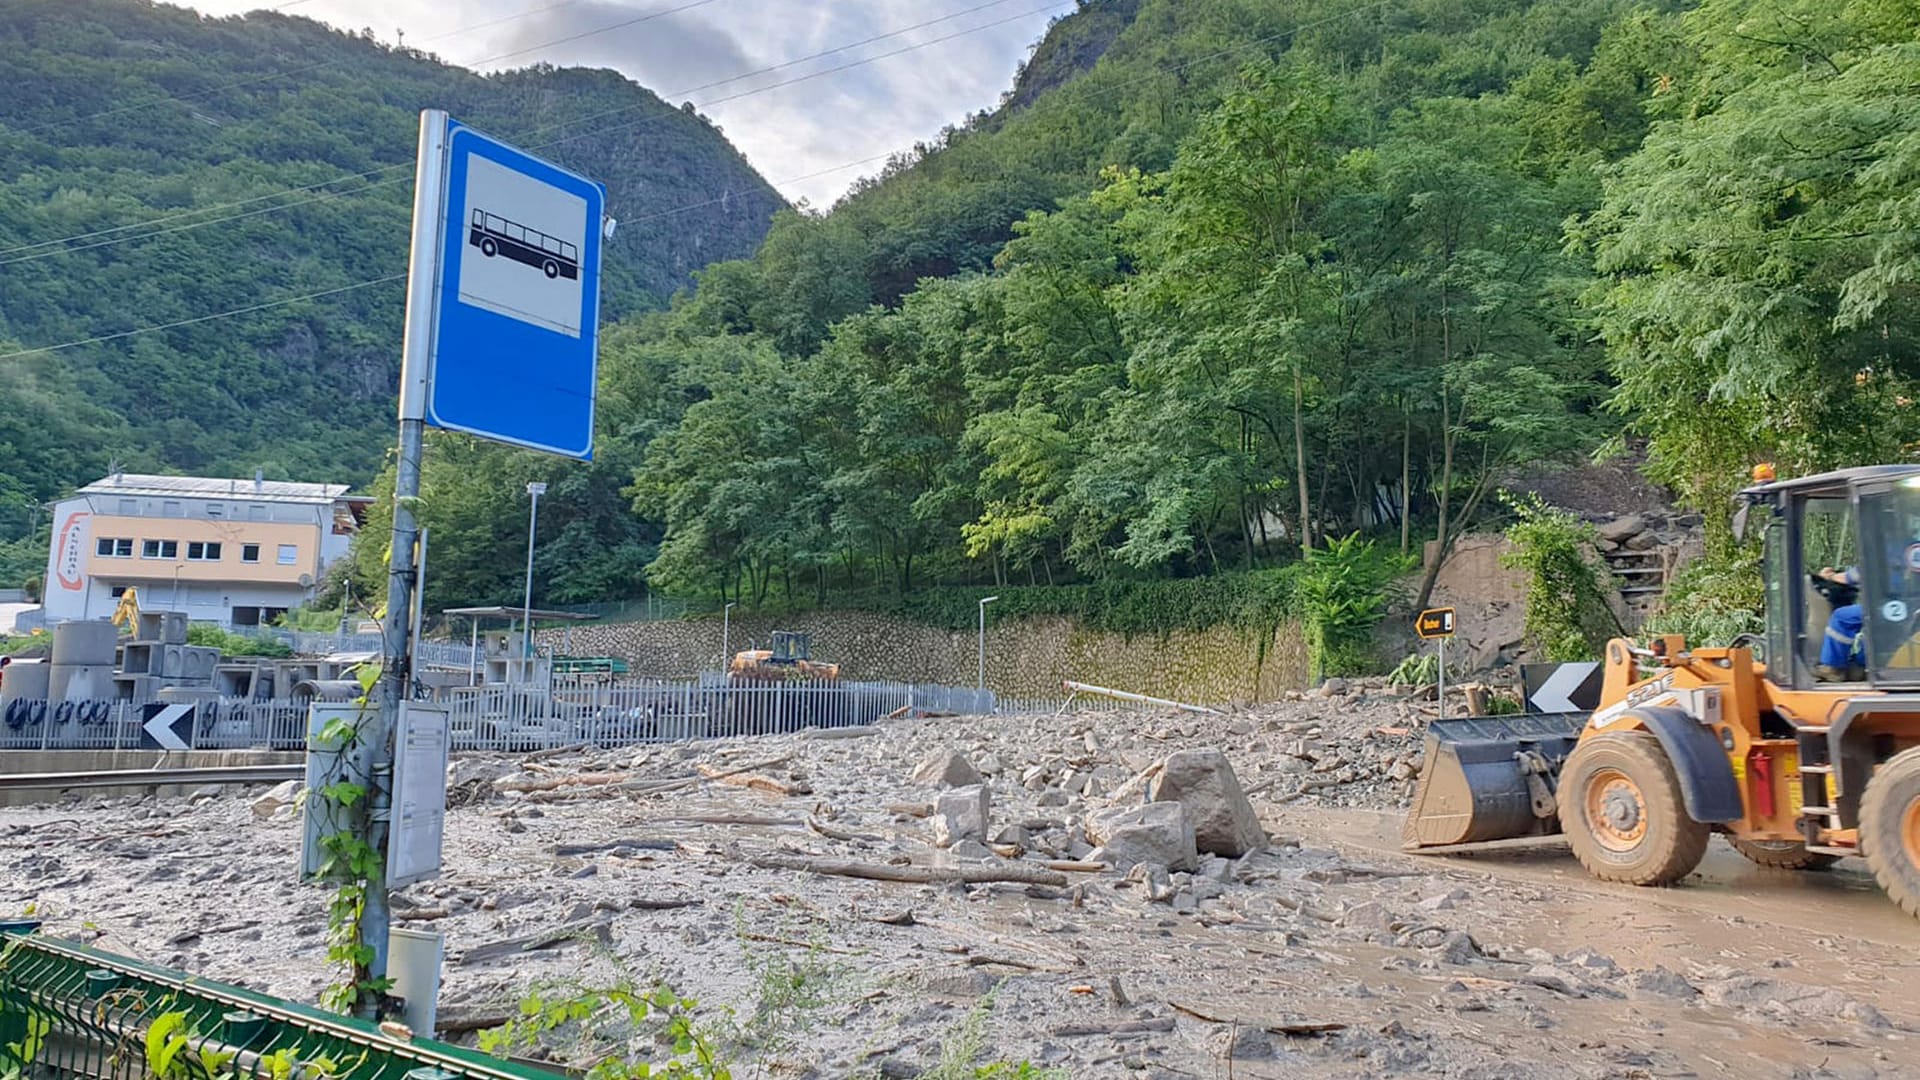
<point>1797,759</point>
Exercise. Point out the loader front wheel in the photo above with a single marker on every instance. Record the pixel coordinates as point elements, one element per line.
<point>1623,813</point>
<point>1782,854</point>
<point>1890,828</point>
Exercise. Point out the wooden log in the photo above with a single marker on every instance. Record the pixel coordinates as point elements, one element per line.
<point>913,875</point>
<point>567,780</point>
<point>633,843</point>
<point>1123,1027</point>
<point>1277,1027</point>
<point>1476,699</point>
<point>854,731</point>
<point>663,903</point>
<point>755,781</point>
<point>1072,866</point>
<point>834,832</point>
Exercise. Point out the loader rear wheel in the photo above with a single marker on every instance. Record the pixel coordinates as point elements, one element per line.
<point>1890,828</point>
<point>1622,810</point>
<point>1782,854</point>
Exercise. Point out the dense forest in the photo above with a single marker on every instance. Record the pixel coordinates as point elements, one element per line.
<point>1222,281</point>
<point>158,166</point>
<point>1225,279</point>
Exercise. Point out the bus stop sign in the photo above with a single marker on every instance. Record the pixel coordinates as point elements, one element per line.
<point>512,274</point>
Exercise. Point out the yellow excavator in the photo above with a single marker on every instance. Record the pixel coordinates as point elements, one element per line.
<point>127,615</point>
<point>1754,741</point>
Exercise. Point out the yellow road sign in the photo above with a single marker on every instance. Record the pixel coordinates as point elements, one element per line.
<point>1434,623</point>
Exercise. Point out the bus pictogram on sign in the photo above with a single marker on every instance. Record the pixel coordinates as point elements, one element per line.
<point>495,235</point>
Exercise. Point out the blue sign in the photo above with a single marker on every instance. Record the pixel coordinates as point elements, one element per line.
<point>517,298</point>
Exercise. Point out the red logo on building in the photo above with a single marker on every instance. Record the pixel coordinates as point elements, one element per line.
<point>70,562</point>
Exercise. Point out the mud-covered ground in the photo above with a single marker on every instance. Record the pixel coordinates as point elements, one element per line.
<point>1328,953</point>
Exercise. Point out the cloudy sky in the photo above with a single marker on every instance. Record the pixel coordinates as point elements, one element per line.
<point>813,136</point>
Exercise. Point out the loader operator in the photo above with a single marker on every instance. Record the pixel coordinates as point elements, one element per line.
<point>1840,651</point>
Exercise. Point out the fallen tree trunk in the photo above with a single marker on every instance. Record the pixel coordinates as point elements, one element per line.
<point>913,875</point>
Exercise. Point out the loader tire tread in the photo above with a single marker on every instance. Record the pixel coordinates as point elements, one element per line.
<point>1885,807</point>
<point>1673,844</point>
<point>1782,855</point>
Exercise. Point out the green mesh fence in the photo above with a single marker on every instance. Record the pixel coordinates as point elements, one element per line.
<point>67,1011</point>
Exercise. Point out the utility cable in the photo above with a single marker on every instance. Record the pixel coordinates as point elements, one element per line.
<point>203,318</point>
<point>647,217</point>
<point>30,252</point>
<point>255,80</point>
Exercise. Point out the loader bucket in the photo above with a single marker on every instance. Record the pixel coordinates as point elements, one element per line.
<point>1474,785</point>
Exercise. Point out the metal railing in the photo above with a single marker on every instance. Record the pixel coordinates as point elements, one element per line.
<point>598,711</point>
<point>225,724</point>
<point>69,1012</point>
<point>626,711</point>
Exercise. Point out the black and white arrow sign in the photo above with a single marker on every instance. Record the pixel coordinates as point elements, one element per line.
<point>1562,688</point>
<point>166,727</point>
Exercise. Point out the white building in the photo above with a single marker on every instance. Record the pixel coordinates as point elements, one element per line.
<point>234,552</point>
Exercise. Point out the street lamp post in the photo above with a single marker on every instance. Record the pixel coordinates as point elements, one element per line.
<point>983,641</point>
<point>726,637</point>
<point>534,491</point>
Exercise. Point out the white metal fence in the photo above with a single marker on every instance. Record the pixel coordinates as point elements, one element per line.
<point>595,712</point>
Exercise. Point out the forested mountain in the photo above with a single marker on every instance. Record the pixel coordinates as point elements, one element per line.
<point>1220,281</point>
<point>1223,279</point>
<point>205,165</point>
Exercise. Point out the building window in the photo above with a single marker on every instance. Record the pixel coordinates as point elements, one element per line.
<point>207,552</point>
<point>160,549</point>
<point>289,554</point>
<point>249,552</point>
<point>215,510</point>
<point>129,507</point>
<point>170,508</point>
<point>119,591</point>
<point>108,547</point>
<point>256,512</point>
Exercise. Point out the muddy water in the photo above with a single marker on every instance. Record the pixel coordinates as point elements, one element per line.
<point>1830,929</point>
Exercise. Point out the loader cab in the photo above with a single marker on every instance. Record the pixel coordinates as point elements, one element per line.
<point>1865,518</point>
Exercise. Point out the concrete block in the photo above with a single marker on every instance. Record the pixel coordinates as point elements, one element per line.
<point>198,661</point>
<point>139,688</point>
<point>26,681</point>
<point>164,627</point>
<point>88,643</point>
<point>79,682</point>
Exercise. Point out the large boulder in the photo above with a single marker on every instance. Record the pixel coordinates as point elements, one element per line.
<point>1203,782</point>
<point>285,794</point>
<point>947,768</point>
<point>1620,529</point>
<point>1156,832</point>
<point>960,814</point>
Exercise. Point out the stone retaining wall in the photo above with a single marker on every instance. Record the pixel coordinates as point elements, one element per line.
<point>1025,657</point>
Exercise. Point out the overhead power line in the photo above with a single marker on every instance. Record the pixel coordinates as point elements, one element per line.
<point>47,248</point>
<point>203,318</point>
<point>1266,40</point>
<point>270,76</point>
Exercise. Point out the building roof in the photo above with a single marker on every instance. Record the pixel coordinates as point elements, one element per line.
<point>213,488</point>
<point>514,613</point>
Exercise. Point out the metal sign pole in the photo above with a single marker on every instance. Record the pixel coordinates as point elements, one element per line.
<point>396,672</point>
<point>1443,678</point>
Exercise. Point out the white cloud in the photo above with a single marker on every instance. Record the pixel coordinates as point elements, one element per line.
<point>820,120</point>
